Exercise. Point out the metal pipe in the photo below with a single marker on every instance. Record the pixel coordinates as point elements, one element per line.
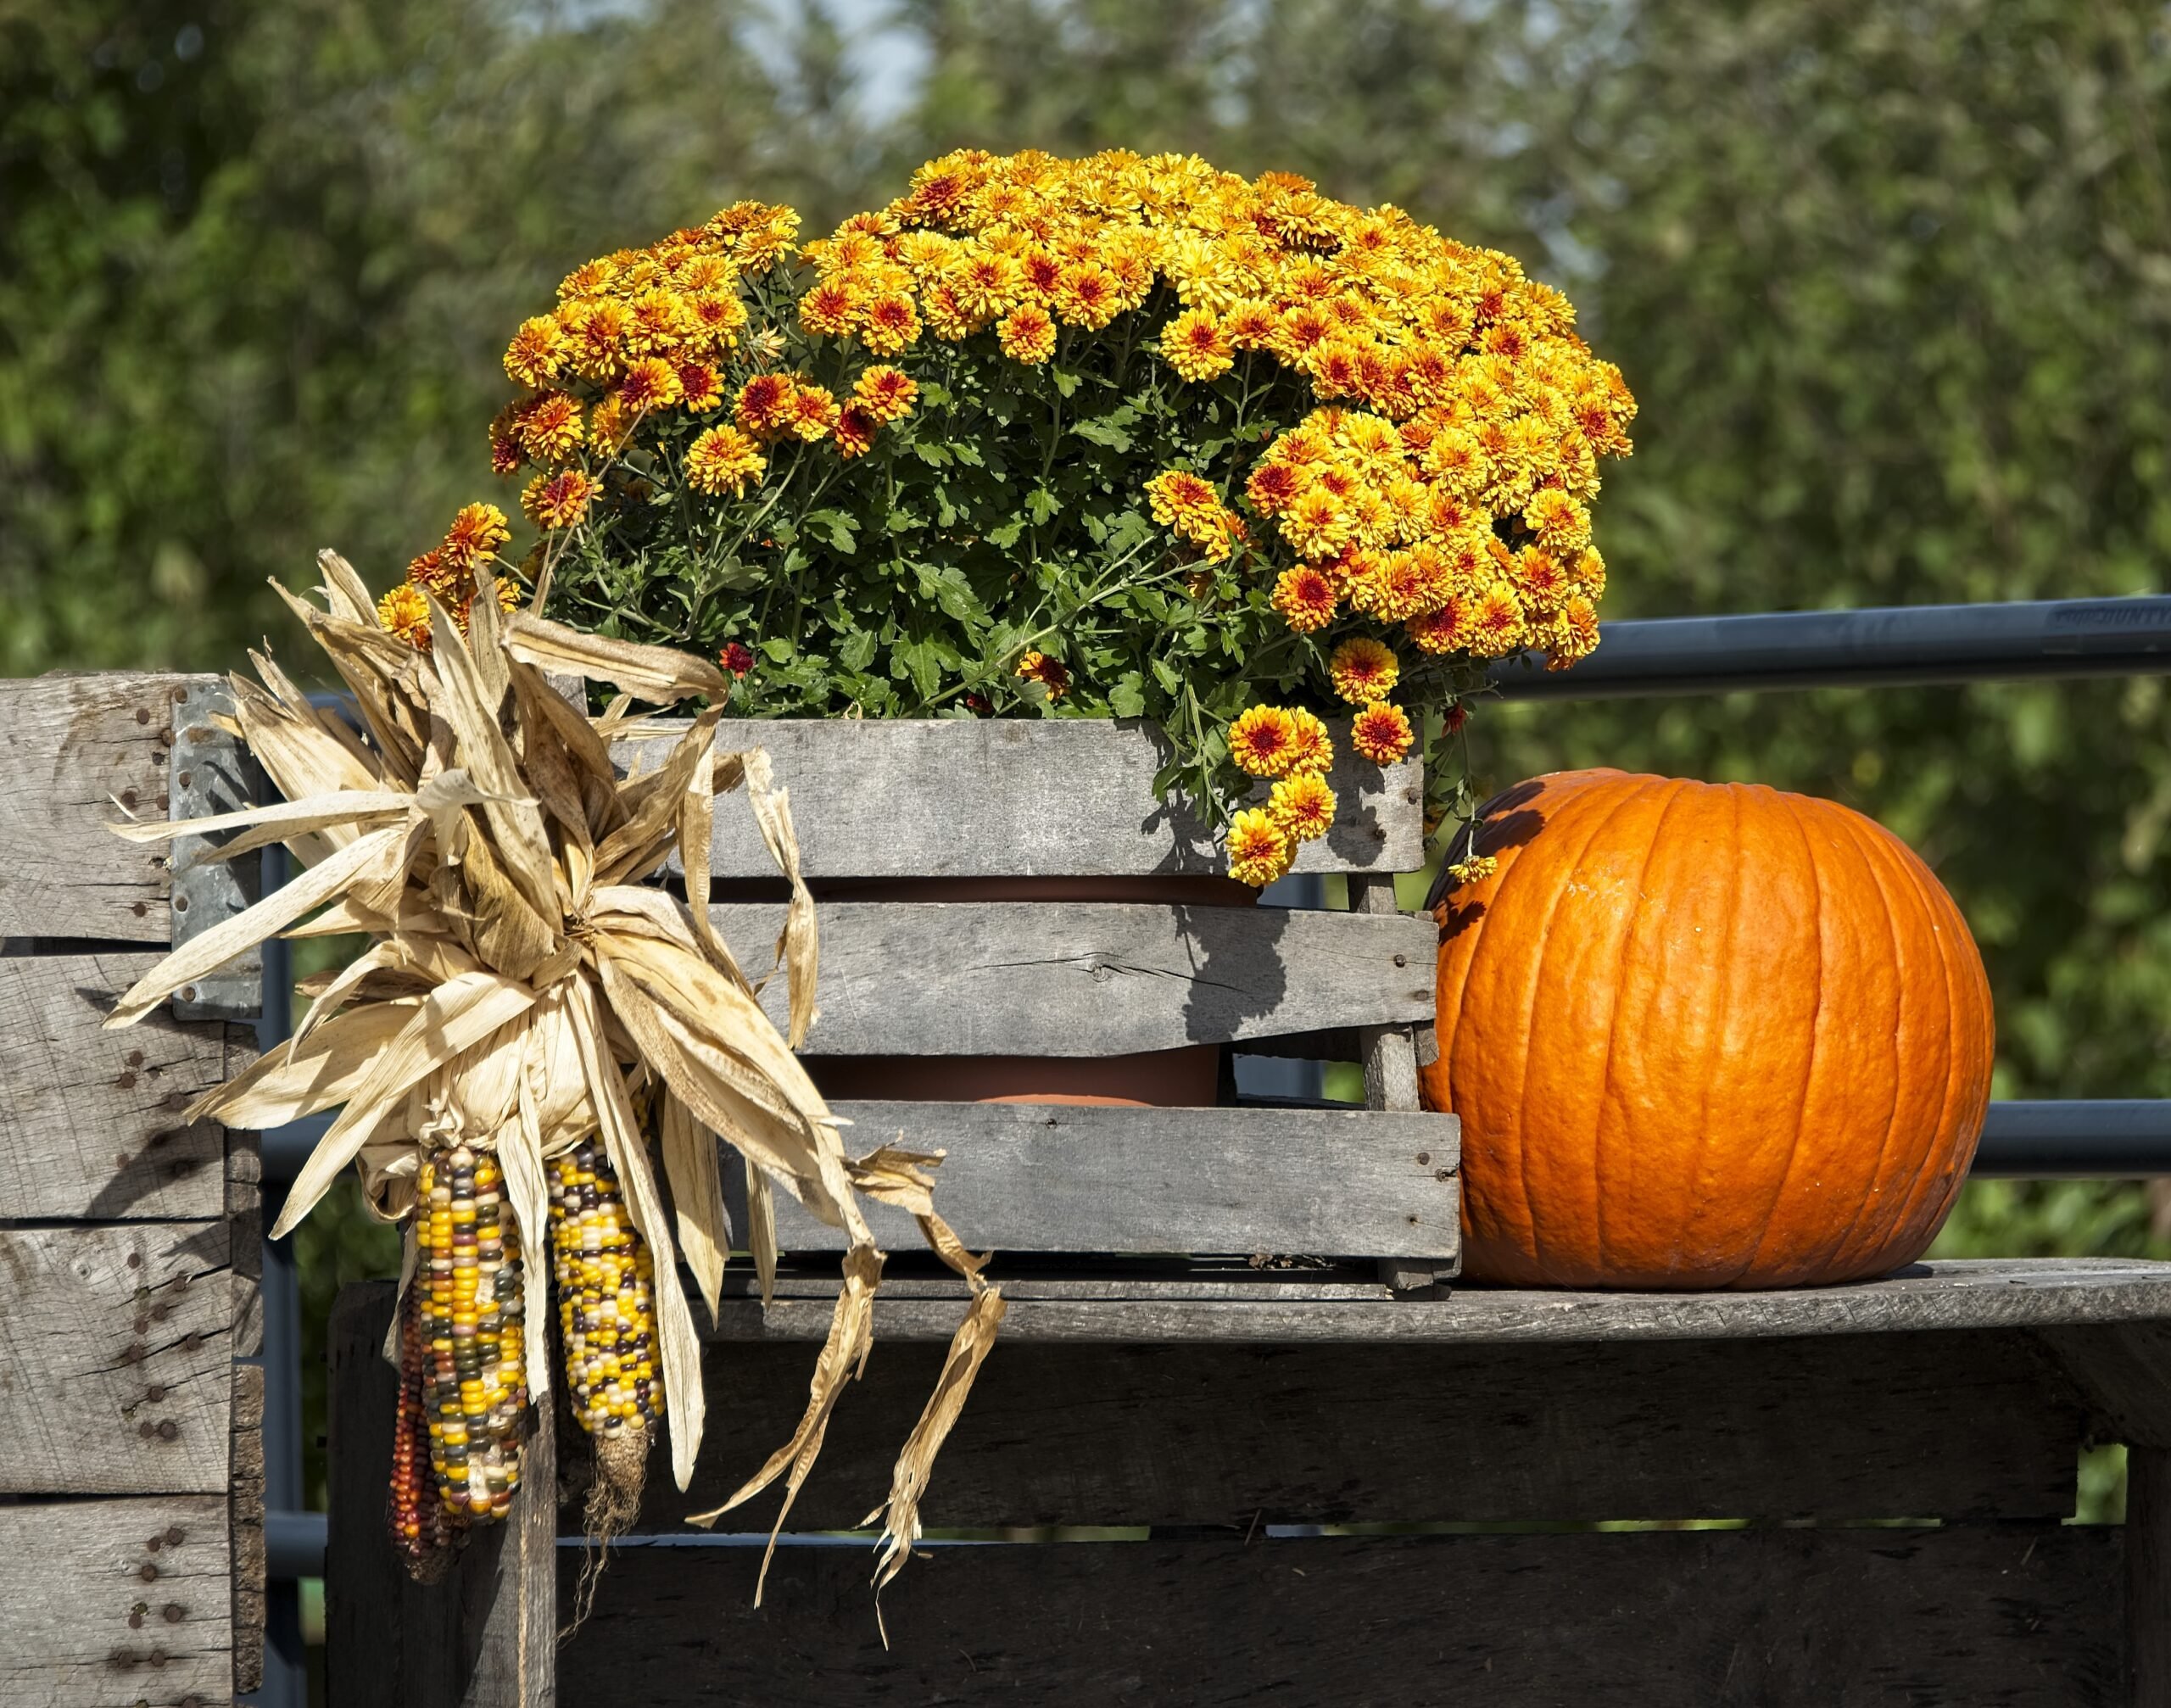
<point>1891,646</point>
<point>293,1545</point>
<point>2119,1140</point>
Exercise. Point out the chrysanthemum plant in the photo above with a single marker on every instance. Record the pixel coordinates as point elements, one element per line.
<point>1117,437</point>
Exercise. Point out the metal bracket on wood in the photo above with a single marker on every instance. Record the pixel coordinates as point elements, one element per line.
<point>209,772</point>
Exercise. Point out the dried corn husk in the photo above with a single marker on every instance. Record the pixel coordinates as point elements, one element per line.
<point>527,976</point>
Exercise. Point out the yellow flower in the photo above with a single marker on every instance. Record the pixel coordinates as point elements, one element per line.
<point>886,393</point>
<point>716,318</point>
<point>476,533</point>
<point>1259,850</point>
<point>533,356</point>
<point>763,406</point>
<point>1087,295</point>
<point>831,307</point>
<point>548,427</point>
<point>1362,670</point>
<point>1307,597</point>
<point>855,431</point>
<point>892,324</point>
<point>1475,869</point>
<point>1303,805</point>
<point>1261,739</point>
<point>1316,523</point>
<point>1027,334</point>
<point>1038,667</point>
<point>404,614</point>
<point>700,387</point>
<point>723,460</point>
<point>1193,344</point>
<point>558,500</point>
<point>1445,630</point>
<point>594,332</point>
<point>657,323</point>
<point>1310,748</point>
<point>813,413</point>
<point>1496,625</point>
<point>650,383</point>
<point>1380,733</point>
<point>1563,527</point>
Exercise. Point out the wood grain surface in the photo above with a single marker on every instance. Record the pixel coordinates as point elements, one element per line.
<point>1024,1177</point>
<point>116,1351</point>
<point>113,1603</point>
<point>1041,978</point>
<point>483,1637</point>
<point>76,754</point>
<point>1938,1424</point>
<point>2022,1292</point>
<point>1013,797</point>
<point>2021,1616</point>
<point>90,1120</point>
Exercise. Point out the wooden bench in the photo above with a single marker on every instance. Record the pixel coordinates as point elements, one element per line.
<point>1291,1463</point>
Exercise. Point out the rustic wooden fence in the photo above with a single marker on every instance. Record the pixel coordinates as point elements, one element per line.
<point>131,1473</point>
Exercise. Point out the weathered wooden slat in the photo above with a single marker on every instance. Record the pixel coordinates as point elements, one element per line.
<point>1037,978</point>
<point>2028,1293</point>
<point>90,1120</point>
<point>1024,1177</point>
<point>2123,1370</point>
<point>115,1602</point>
<point>1941,1424</point>
<point>245,1490</point>
<point>2018,1615</point>
<point>483,1637</point>
<point>2148,1575</point>
<point>77,752</point>
<point>115,1358</point>
<point>1058,797</point>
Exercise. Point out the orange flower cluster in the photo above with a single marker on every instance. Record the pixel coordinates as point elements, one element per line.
<point>1432,422</point>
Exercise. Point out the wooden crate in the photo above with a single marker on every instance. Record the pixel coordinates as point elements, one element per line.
<point>1194,1372</point>
<point>131,1475</point>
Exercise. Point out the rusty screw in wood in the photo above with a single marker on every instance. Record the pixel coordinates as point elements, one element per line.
<point>169,1430</point>
<point>142,714</point>
<point>183,780</point>
<point>173,1613</point>
<point>174,1533</point>
<point>181,904</point>
<point>188,993</point>
<point>149,1574</point>
<point>1401,960</point>
<point>1424,1158</point>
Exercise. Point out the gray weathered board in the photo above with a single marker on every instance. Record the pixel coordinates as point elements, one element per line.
<point>1041,978</point>
<point>116,1350</point>
<point>1009,798</point>
<point>2021,1293</point>
<point>1043,1178</point>
<point>1968,1424</point>
<point>111,1603</point>
<point>2023,1615</point>
<point>485,1636</point>
<point>90,1120</point>
<point>76,754</point>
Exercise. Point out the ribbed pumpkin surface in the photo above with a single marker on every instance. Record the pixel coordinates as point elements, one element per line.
<point>1704,1035</point>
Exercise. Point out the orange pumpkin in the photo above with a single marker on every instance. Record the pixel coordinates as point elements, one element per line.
<point>1704,1035</point>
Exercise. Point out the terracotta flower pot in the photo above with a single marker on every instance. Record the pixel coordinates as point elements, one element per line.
<point>1163,1079</point>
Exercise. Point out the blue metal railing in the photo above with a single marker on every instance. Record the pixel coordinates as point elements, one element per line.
<point>1901,646</point>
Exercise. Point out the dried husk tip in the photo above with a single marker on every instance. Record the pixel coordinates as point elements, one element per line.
<point>525,979</point>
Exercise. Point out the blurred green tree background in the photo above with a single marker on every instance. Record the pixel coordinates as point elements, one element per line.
<point>1893,283</point>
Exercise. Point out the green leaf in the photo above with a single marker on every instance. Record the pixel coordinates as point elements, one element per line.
<point>857,650</point>
<point>834,526</point>
<point>1041,506</point>
<point>1066,382</point>
<point>1127,698</point>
